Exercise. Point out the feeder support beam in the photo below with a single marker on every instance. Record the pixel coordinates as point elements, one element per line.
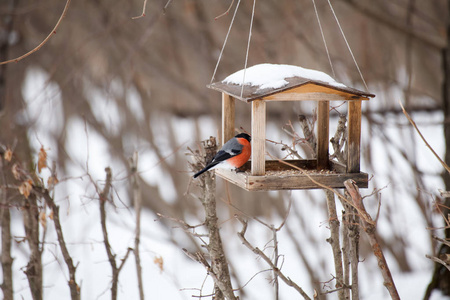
<point>323,124</point>
<point>228,117</point>
<point>354,136</point>
<point>258,137</point>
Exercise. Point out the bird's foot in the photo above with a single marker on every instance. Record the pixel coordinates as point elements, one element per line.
<point>237,170</point>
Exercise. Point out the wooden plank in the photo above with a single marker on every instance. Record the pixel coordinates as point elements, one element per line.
<point>296,181</point>
<point>228,117</point>
<point>258,137</point>
<point>354,136</point>
<point>323,124</point>
<point>309,91</point>
<point>269,183</point>
<point>239,179</point>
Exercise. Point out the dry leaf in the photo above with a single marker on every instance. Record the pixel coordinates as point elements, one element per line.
<point>159,261</point>
<point>43,219</point>
<point>50,215</point>
<point>25,188</point>
<point>52,181</point>
<point>16,171</point>
<point>8,154</point>
<point>42,159</point>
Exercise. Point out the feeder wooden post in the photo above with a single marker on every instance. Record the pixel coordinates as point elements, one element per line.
<point>323,122</point>
<point>228,117</point>
<point>258,137</point>
<point>354,136</point>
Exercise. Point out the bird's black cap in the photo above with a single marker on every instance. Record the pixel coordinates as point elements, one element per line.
<point>245,136</point>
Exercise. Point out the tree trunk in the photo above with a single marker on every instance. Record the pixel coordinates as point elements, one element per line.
<point>441,275</point>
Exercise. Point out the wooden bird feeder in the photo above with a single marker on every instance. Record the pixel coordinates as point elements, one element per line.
<point>262,175</point>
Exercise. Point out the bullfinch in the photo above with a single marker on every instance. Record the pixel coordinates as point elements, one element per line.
<point>233,155</point>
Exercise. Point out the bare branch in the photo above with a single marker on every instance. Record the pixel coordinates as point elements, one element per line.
<point>190,229</point>
<point>438,260</point>
<point>225,13</point>
<point>334,241</point>
<point>370,228</point>
<point>5,223</point>
<point>445,194</point>
<point>143,11</point>
<point>351,224</point>
<point>74,288</point>
<point>219,266</point>
<point>104,195</point>
<point>34,266</point>
<point>339,140</point>
<point>446,242</point>
<point>137,199</point>
<point>423,138</point>
<point>308,133</point>
<point>17,59</point>
<point>261,254</point>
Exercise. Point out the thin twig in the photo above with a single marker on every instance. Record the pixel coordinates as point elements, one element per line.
<point>167,5</point>
<point>143,11</point>
<point>423,138</point>
<point>190,229</point>
<point>275,261</point>
<point>17,59</point>
<point>226,12</point>
<point>438,260</point>
<point>137,199</point>
<point>446,242</point>
<point>262,255</point>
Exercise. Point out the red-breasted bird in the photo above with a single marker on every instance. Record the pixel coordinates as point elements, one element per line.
<point>233,155</point>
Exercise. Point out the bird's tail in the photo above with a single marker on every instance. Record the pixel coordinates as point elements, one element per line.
<point>200,172</point>
<point>208,167</point>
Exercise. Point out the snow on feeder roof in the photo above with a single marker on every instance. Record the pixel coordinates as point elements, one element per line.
<point>268,82</point>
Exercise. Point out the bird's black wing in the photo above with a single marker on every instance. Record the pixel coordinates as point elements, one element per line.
<point>224,155</point>
<point>229,149</point>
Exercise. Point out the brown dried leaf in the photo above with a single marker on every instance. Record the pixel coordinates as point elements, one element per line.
<point>159,261</point>
<point>50,215</point>
<point>8,154</point>
<point>25,188</point>
<point>42,159</point>
<point>15,169</point>
<point>43,219</point>
<point>52,181</point>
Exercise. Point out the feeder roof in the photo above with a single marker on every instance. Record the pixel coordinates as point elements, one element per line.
<point>285,82</point>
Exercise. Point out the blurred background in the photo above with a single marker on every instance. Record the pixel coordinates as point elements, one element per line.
<point>106,86</point>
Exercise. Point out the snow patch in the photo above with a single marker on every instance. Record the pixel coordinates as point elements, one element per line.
<point>273,76</point>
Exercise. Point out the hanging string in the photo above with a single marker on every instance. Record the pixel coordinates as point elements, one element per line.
<point>225,42</point>
<point>323,38</point>
<point>248,46</point>
<point>348,46</point>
